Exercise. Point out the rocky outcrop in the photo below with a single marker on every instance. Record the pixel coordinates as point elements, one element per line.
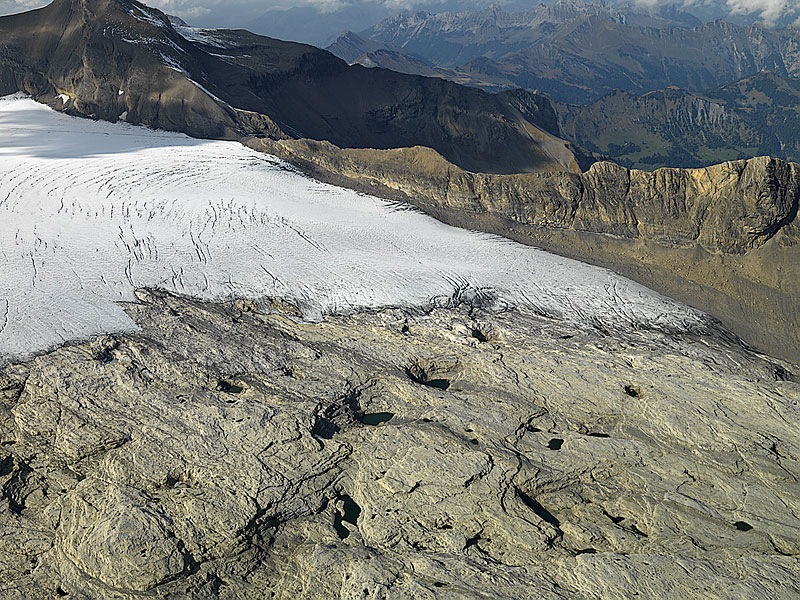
<point>225,453</point>
<point>733,207</point>
<point>723,238</point>
<point>121,60</point>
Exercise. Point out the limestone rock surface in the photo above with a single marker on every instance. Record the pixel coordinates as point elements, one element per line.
<point>221,452</point>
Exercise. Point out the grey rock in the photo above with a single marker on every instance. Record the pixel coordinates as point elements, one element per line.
<point>221,452</point>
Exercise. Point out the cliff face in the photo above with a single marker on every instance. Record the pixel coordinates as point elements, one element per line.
<point>118,59</point>
<point>221,452</point>
<point>722,238</point>
<point>731,208</point>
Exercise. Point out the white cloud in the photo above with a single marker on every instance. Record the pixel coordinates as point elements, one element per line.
<point>9,7</point>
<point>770,11</point>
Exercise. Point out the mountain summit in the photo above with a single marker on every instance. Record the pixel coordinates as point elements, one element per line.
<point>119,59</point>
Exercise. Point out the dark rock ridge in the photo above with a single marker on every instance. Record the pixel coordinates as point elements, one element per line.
<point>559,463</point>
<point>355,49</point>
<point>725,238</point>
<point>112,59</point>
<point>349,46</point>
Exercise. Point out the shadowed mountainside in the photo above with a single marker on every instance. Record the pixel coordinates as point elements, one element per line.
<point>118,59</point>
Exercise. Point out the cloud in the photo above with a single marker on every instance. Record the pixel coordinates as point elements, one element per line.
<point>185,9</point>
<point>9,7</point>
<point>769,11</point>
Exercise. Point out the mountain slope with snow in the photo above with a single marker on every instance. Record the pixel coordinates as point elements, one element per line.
<point>93,211</point>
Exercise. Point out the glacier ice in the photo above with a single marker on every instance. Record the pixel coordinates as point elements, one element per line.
<point>92,211</point>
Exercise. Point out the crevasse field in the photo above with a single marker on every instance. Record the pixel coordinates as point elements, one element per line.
<point>91,211</point>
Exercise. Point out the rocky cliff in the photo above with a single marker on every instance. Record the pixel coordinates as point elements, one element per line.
<point>723,238</point>
<point>225,453</point>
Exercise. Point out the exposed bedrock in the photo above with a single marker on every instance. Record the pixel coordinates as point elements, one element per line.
<point>722,238</point>
<point>224,453</point>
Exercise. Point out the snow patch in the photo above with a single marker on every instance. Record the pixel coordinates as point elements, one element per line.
<point>176,66</point>
<point>203,36</point>
<point>146,17</point>
<point>92,211</point>
<point>173,64</point>
<point>64,98</point>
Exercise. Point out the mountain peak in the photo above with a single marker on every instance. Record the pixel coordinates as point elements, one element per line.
<point>117,11</point>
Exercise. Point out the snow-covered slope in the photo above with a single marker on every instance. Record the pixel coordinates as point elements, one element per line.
<point>91,211</point>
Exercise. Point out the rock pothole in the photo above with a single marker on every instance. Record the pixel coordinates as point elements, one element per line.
<point>484,332</point>
<point>349,513</point>
<point>632,391</point>
<point>105,353</point>
<point>376,418</point>
<point>437,374</point>
<point>230,386</point>
<point>342,413</point>
<point>743,526</point>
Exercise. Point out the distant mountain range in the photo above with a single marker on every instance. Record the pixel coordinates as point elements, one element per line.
<point>319,23</point>
<point>577,52</point>
<point>118,59</point>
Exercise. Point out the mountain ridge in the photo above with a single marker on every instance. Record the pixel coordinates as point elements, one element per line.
<point>756,115</point>
<point>577,52</point>
<point>230,83</point>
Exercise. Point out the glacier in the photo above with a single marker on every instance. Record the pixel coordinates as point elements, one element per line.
<point>92,211</point>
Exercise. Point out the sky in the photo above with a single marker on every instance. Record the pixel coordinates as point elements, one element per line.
<point>314,20</point>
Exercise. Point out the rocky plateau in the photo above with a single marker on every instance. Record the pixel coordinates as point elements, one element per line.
<point>235,451</point>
